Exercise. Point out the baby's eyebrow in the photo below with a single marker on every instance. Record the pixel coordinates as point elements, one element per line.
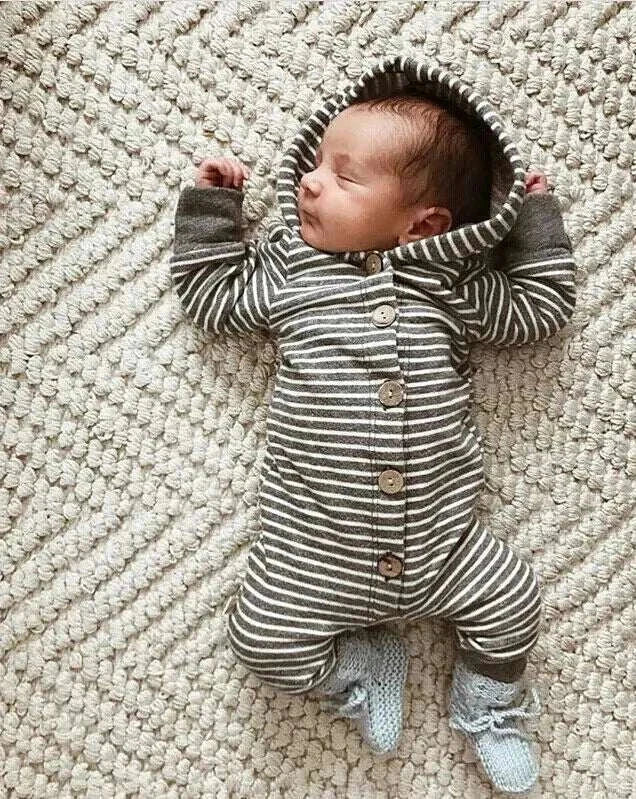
<point>344,157</point>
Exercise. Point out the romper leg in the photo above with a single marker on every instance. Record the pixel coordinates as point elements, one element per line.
<point>274,646</point>
<point>493,598</point>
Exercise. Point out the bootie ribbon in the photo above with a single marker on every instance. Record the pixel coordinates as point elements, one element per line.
<point>494,719</point>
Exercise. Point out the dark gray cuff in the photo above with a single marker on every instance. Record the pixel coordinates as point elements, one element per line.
<point>539,225</point>
<point>207,216</point>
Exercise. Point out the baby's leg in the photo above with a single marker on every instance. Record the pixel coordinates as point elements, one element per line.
<point>282,649</point>
<point>493,598</point>
<point>297,649</point>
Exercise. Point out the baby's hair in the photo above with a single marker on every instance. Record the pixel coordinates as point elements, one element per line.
<point>450,168</point>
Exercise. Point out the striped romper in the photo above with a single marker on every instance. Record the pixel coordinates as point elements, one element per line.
<point>373,462</point>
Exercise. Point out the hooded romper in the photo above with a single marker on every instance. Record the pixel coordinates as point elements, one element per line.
<point>373,463</point>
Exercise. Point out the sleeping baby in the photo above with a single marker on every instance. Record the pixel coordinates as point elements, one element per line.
<point>408,231</point>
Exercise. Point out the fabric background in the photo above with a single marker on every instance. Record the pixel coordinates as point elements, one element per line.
<point>132,442</point>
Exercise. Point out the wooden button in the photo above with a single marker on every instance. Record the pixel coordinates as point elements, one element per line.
<point>383,315</point>
<point>373,263</point>
<point>390,565</point>
<point>390,481</point>
<point>391,393</point>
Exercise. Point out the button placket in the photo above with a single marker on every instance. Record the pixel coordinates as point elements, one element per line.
<point>390,394</point>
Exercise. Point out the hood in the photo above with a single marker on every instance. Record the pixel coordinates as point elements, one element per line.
<point>389,76</point>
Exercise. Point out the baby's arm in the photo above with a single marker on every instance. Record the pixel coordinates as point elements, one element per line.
<point>531,294</point>
<point>223,283</point>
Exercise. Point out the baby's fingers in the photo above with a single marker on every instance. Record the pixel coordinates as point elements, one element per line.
<point>225,172</point>
<point>232,173</point>
<point>536,181</point>
<point>237,174</point>
<point>240,173</point>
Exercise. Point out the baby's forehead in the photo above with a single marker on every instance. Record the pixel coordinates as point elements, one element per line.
<point>358,119</point>
<point>373,138</point>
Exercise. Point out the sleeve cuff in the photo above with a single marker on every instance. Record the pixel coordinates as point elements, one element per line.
<point>539,225</point>
<point>207,216</point>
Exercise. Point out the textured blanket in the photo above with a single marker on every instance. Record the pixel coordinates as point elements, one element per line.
<point>132,441</point>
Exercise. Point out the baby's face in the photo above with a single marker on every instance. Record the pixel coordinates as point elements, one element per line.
<point>347,203</point>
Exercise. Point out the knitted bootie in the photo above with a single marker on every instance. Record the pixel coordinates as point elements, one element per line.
<point>367,683</point>
<point>504,750</point>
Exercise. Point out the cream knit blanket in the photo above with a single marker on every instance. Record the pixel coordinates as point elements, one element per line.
<point>132,442</point>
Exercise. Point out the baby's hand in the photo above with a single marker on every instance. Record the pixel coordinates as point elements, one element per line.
<point>536,182</point>
<point>226,172</point>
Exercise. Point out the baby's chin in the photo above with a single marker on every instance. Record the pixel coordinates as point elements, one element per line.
<point>317,241</point>
<point>312,233</point>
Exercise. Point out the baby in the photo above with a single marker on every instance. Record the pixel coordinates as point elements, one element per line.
<point>409,230</point>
